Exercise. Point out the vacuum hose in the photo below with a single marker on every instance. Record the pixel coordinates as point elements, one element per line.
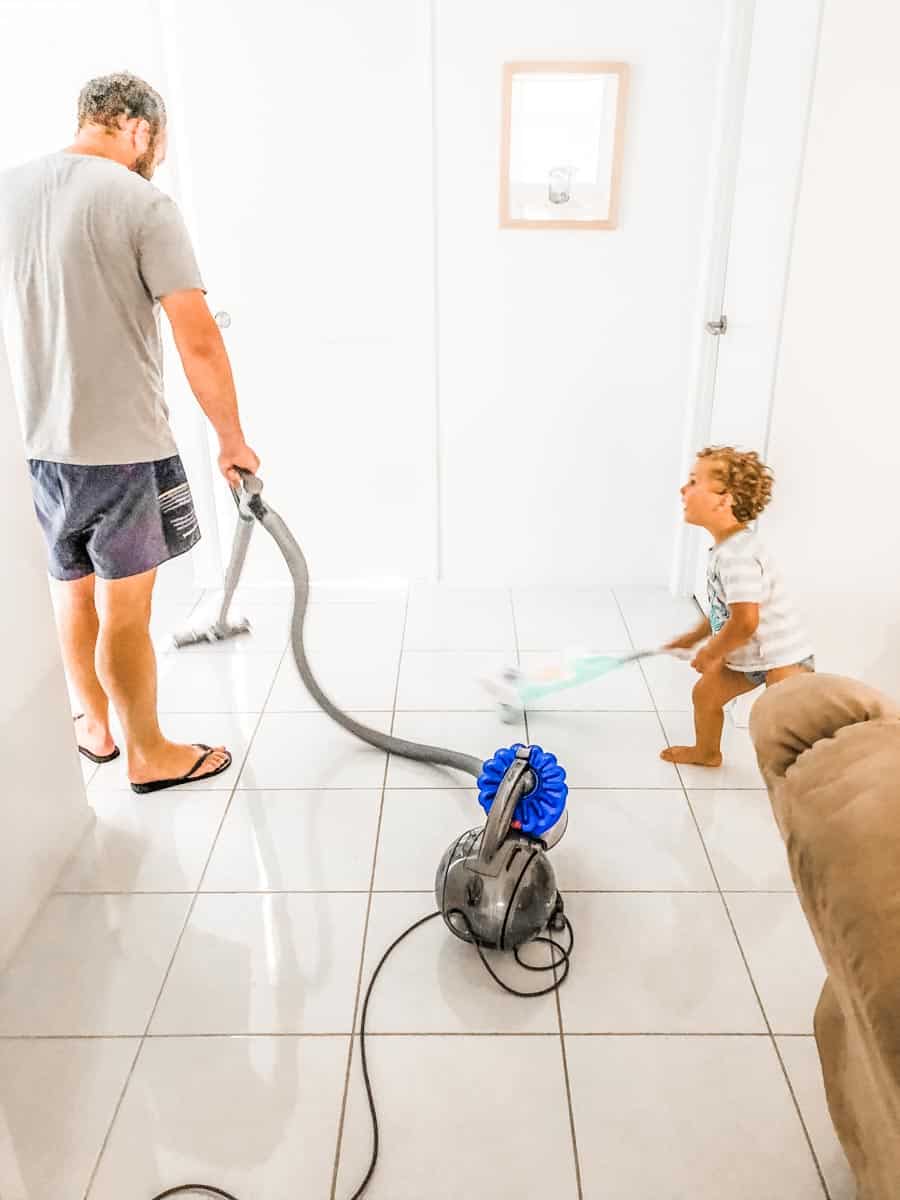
<point>505,782</point>
<point>296,564</point>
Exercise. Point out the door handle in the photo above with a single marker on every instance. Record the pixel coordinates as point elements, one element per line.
<point>717,328</point>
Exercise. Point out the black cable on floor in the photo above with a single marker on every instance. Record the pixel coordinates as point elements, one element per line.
<point>362,1050</point>
<point>204,1189</point>
<point>563,962</point>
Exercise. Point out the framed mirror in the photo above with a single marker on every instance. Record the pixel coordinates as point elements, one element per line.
<point>562,142</point>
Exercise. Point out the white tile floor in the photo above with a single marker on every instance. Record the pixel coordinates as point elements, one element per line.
<point>184,1006</point>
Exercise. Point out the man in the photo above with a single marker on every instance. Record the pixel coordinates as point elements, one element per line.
<point>89,250</point>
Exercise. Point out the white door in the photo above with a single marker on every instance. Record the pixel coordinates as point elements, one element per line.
<point>780,73</point>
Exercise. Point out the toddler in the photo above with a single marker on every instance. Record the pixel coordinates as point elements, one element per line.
<point>756,637</point>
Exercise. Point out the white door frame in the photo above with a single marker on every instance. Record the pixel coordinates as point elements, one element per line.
<point>195,433</point>
<point>750,25</point>
<point>731,91</point>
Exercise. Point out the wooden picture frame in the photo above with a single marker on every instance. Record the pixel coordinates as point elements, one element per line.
<point>552,203</point>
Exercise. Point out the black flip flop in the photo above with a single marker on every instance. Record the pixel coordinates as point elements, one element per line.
<point>96,758</point>
<point>157,785</point>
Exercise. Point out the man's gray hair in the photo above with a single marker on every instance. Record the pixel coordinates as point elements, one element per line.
<point>104,99</point>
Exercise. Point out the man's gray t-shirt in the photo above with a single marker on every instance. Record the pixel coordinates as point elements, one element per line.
<point>87,248</point>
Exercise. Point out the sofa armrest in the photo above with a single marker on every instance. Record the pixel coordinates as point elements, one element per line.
<point>794,715</point>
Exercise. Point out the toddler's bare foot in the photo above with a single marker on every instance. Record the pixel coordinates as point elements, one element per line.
<point>690,755</point>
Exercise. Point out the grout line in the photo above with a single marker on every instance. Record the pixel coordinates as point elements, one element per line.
<point>273,1034</point>
<point>774,1042</point>
<point>450,786</point>
<point>422,891</point>
<point>442,712</point>
<point>579,1183</point>
<point>559,1017</point>
<point>112,1121</point>
<point>680,786</point>
<point>677,1033</point>
<point>371,893</point>
<point>722,896</point>
<point>312,712</point>
<point>512,605</point>
<point>178,942</point>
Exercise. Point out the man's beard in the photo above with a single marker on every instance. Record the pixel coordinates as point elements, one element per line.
<point>144,165</point>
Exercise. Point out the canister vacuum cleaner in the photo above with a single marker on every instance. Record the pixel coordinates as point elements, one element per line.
<point>495,887</point>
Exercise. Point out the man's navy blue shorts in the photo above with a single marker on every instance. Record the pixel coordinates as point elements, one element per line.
<point>113,521</point>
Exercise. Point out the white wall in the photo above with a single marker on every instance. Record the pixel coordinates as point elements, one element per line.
<point>48,50</point>
<point>310,152</point>
<point>43,808</point>
<point>836,417</point>
<point>565,355</point>
<point>309,135</point>
<point>304,148</point>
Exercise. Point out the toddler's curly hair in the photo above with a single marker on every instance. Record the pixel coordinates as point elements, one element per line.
<point>744,476</point>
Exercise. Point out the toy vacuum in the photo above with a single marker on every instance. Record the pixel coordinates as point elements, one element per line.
<point>513,689</point>
<point>494,886</point>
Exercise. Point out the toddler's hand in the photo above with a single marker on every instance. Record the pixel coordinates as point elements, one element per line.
<point>705,660</point>
<point>686,642</point>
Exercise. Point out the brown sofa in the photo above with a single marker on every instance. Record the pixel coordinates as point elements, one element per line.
<point>829,751</point>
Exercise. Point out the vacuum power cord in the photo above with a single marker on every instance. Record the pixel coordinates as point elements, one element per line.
<point>562,962</point>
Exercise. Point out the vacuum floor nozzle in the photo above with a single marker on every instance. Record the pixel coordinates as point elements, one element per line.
<point>217,632</point>
<point>221,629</point>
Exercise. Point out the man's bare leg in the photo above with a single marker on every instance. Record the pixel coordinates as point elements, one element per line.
<point>711,693</point>
<point>78,625</point>
<point>126,666</point>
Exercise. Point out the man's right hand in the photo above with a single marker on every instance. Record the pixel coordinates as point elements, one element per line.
<point>236,454</point>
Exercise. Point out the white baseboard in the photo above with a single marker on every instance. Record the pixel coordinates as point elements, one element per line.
<point>739,709</point>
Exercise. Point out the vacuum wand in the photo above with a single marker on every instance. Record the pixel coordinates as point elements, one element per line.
<point>251,507</point>
<point>222,629</point>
